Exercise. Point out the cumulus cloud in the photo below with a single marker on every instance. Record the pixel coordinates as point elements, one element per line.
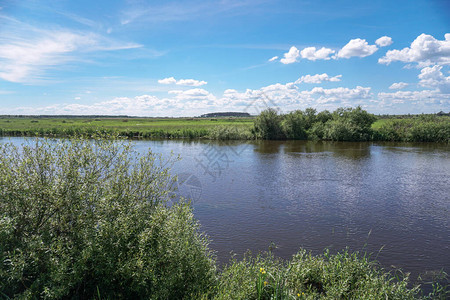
<point>398,85</point>
<point>291,56</point>
<point>186,82</point>
<point>193,95</point>
<point>384,41</point>
<point>357,47</point>
<point>425,50</point>
<point>311,53</point>
<point>433,96</point>
<point>432,77</point>
<point>191,82</point>
<point>318,78</point>
<point>168,80</point>
<point>273,58</point>
<point>287,96</point>
<point>341,93</point>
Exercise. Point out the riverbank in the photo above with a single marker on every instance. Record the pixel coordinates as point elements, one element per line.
<point>341,125</point>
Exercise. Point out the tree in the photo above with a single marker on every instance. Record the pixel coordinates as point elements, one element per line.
<point>268,125</point>
<point>349,124</point>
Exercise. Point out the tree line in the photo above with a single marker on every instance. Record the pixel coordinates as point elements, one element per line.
<point>348,124</point>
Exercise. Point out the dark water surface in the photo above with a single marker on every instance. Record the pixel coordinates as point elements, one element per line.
<point>316,195</point>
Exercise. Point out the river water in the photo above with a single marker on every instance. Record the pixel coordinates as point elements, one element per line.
<point>389,199</point>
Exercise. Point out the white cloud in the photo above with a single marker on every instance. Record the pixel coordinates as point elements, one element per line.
<point>432,77</point>
<point>357,47</point>
<point>27,53</point>
<point>287,96</point>
<point>291,56</point>
<point>168,80</point>
<point>192,94</point>
<point>311,53</point>
<point>341,93</point>
<point>186,82</point>
<point>273,58</point>
<point>191,82</point>
<point>318,78</point>
<point>398,85</point>
<point>425,50</point>
<point>415,96</point>
<point>384,41</point>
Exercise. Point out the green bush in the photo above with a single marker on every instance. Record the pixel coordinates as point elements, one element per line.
<point>295,124</point>
<point>340,276</point>
<point>267,125</point>
<point>422,129</point>
<point>349,124</point>
<point>88,218</point>
<point>230,133</point>
<point>344,124</point>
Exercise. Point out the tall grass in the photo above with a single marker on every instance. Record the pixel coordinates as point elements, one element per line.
<point>422,129</point>
<point>344,124</point>
<point>343,275</point>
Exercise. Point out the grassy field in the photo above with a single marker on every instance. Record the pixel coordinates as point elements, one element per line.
<point>426,128</point>
<point>131,127</point>
<point>28,124</point>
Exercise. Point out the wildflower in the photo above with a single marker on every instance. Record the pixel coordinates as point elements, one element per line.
<point>265,283</point>
<point>262,270</point>
<point>298,294</point>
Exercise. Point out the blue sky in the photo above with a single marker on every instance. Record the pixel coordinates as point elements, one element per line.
<point>186,58</point>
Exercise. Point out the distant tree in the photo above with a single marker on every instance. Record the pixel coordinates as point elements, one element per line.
<point>294,125</point>
<point>349,124</point>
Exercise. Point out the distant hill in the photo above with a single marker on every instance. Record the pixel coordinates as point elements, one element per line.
<point>226,114</point>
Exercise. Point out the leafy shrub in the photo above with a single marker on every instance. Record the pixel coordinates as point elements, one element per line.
<point>86,217</point>
<point>267,125</point>
<point>230,133</point>
<point>340,276</point>
<point>349,124</point>
<point>344,124</point>
<point>295,125</point>
<point>422,129</point>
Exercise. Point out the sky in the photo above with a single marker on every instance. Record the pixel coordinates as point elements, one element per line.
<point>187,58</point>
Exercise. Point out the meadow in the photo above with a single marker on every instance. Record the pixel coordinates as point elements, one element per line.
<point>125,126</point>
<point>343,124</point>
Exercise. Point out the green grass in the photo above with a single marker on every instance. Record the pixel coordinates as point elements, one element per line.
<point>378,123</point>
<point>343,275</point>
<point>130,127</point>
<point>420,128</point>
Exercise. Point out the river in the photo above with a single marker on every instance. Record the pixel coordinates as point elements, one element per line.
<point>389,199</point>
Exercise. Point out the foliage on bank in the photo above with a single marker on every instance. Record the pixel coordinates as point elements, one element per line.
<point>419,129</point>
<point>343,275</point>
<point>349,124</point>
<point>86,218</point>
<point>344,124</point>
<point>92,219</point>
